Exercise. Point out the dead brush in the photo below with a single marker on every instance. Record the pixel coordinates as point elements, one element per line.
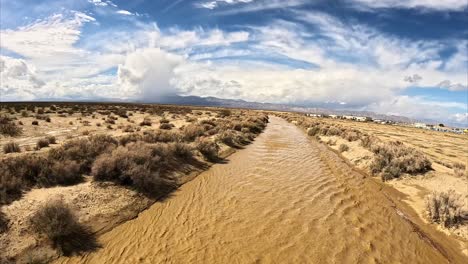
<point>11,147</point>
<point>459,169</point>
<point>394,158</point>
<point>8,127</point>
<point>444,208</point>
<point>343,148</point>
<point>56,222</point>
<point>192,131</point>
<point>208,148</point>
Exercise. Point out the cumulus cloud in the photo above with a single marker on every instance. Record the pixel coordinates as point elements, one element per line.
<point>147,73</point>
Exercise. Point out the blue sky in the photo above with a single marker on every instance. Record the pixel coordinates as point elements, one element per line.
<point>393,57</point>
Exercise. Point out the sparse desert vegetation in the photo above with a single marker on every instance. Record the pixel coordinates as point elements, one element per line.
<point>408,159</point>
<point>150,159</point>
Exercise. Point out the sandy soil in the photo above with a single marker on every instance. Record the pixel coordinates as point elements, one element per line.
<point>416,188</point>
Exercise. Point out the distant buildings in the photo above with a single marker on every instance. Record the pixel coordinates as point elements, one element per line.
<point>440,128</point>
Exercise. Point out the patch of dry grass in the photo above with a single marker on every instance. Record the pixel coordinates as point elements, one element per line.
<point>444,208</point>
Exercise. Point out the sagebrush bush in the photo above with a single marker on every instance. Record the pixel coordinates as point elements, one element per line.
<point>444,208</point>
<point>166,126</point>
<point>227,137</point>
<point>343,148</point>
<point>192,131</point>
<point>312,131</point>
<point>56,222</point>
<point>146,122</point>
<point>8,128</point>
<point>209,149</point>
<point>51,139</point>
<point>84,150</point>
<point>393,158</point>
<point>161,136</point>
<point>66,172</point>
<point>11,147</point>
<point>139,165</point>
<point>42,143</point>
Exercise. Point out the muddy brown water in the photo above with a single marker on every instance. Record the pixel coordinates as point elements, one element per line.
<point>283,199</point>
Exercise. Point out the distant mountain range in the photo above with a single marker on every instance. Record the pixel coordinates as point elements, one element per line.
<point>214,101</point>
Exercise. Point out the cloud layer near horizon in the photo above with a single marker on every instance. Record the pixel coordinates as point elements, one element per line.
<point>306,57</point>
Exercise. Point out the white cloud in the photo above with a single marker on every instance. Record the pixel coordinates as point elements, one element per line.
<point>53,36</point>
<point>251,6</point>
<point>18,77</point>
<point>124,12</point>
<point>216,3</point>
<point>147,73</point>
<point>455,5</point>
<point>461,118</point>
<point>418,108</point>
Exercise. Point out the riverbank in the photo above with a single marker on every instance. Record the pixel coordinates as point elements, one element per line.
<point>196,142</point>
<point>356,141</point>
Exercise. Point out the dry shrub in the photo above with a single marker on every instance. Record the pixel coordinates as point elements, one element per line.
<point>146,122</point>
<point>312,131</point>
<point>139,165</point>
<point>35,123</point>
<point>444,208</point>
<point>224,113</point>
<point>56,222</point>
<point>459,169</point>
<point>367,141</point>
<point>343,148</point>
<point>166,126</point>
<point>8,128</point>
<point>11,147</point>
<point>192,131</point>
<point>164,121</point>
<point>351,135</point>
<point>209,149</point>
<point>51,139</point>
<point>161,136</point>
<point>333,131</point>
<point>65,172</point>
<point>331,142</point>
<point>227,137</point>
<point>42,143</point>
<point>84,150</point>
<point>393,158</point>
<point>3,223</point>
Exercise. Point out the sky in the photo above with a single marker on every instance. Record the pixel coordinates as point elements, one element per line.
<point>393,57</point>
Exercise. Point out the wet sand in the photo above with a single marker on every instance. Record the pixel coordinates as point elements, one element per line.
<point>283,199</point>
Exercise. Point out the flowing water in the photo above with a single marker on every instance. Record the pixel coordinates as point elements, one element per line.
<point>283,199</point>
